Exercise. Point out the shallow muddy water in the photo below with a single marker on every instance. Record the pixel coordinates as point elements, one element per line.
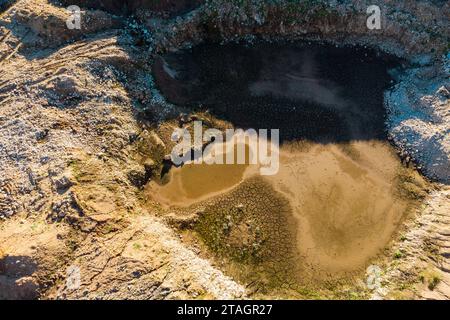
<point>193,182</point>
<point>338,174</point>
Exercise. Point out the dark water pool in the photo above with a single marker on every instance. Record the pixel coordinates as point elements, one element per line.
<point>308,91</point>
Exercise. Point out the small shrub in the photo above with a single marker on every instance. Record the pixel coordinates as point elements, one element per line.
<point>398,254</point>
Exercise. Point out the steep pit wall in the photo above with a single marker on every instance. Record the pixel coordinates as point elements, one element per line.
<point>417,31</point>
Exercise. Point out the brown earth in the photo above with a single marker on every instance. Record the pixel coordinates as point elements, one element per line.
<point>78,142</point>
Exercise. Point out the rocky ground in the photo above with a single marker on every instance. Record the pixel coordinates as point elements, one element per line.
<point>79,140</point>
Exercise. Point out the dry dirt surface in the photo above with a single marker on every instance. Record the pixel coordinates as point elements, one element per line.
<point>83,129</point>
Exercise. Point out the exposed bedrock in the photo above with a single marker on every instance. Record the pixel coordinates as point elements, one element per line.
<point>419,118</point>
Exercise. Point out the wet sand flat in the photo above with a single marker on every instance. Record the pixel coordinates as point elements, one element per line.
<point>193,183</point>
<point>346,206</point>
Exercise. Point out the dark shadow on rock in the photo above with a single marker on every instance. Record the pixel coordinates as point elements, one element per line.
<point>16,281</point>
<point>6,4</point>
<point>127,7</point>
<point>309,91</point>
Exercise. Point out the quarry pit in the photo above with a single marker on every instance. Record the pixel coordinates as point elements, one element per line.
<point>86,131</point>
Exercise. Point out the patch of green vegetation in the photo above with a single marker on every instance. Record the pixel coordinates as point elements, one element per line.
<point>398,254</point>
<point>404,286</point>
<point>137,246</point>
<point>337,289</point>
<point>252,227</point>
<point>108,228</point>
<point>411,185</point>
<point>37,226</point>
<point>75,166</point>
<point>71,244</point>
<point>434,282</point>
<point>308,292</point>
<point>431,278</point>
